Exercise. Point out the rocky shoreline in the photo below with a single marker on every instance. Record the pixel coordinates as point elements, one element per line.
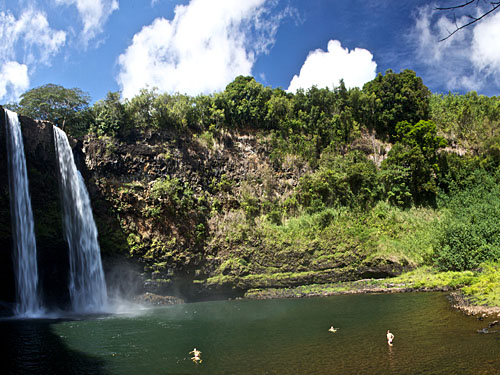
<point>461,302</point>
<point>354,287</point>
<point>152,299</point>
<point>457,299</point>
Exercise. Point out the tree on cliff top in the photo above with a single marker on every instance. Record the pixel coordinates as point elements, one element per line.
<point>245,102</point>
<point>396,97</point>
<point>67,108</point>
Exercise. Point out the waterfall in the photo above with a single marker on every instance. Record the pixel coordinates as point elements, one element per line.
<point>87,286</point>
<point>23,233</point>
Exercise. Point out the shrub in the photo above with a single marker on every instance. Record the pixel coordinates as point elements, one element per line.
<point>340,181</point>
<point>471,234</point>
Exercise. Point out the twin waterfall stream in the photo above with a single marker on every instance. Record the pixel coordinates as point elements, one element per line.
<point>87,287</point>
<point>23,228</point>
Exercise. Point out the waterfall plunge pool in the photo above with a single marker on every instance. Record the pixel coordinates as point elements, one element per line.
<point>283,336</point>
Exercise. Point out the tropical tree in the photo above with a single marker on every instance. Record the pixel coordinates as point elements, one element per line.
<point>396,97</point>
<point>67,108</point>
<point>246,102</point>
<point>110,116</point>
<point>409,173</point>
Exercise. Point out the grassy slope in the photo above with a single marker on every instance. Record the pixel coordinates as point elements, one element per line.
<point>259,253</point>
<point>309,245</point>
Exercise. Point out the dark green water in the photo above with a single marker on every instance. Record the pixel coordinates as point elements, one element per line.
<point>261,337</point>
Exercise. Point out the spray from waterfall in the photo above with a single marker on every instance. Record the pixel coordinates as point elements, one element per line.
<point>23,233</point>
<point>87,286</point>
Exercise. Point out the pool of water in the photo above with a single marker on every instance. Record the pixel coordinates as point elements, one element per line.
<point>286,336</point>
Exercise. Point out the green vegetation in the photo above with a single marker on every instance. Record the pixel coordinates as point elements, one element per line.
<point>424,278</point>
<point>485,288</point>
<point>67,108</point>
<point>481,287</point>
<point>470,234</point>
<point>346,182</point>
<point>397,97</point>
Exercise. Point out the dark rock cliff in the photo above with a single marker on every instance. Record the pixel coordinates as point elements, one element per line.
<point>177,214</point>
<point>183,208</point>
<point>152,200</point>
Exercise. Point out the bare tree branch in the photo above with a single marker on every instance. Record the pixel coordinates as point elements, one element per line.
<point>494,6</point>
<point>457,6</point>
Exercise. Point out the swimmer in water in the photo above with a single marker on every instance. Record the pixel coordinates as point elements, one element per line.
<point>390,337</point>
<point>196,356</point>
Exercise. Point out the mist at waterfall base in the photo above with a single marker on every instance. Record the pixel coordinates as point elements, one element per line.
<point>24,254</point>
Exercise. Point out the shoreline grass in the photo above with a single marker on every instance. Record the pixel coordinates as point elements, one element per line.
<point>480,288</point>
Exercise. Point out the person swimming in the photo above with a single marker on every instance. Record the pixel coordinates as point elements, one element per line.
<point>390,337</point>
<point>196,356</point>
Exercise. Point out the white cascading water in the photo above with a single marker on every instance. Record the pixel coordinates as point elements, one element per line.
<point>87,286</point>
<point>23,233</point>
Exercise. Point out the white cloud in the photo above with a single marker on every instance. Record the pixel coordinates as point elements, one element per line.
<point>94,14</point>
<point>429,34</point>
<point>486,46</point>
<point>205,46</point>
<point>33,28</point>
<point>33,33</point>
<point>469,59</point>
<point>326,69</point>
<point>30,40</point>
<point>14,80</point>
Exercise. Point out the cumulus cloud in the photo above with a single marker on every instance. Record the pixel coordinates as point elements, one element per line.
<point>470,59</point>
<point>486,46</point>
<point>93,13</point>
<point>327,68</point>
<point>206,45</point>
<point>40,41</point>
<point>13,80</point>
<point>28,39</point>
<point>33,33</point>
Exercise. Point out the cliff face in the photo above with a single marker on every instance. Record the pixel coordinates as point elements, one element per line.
<point>189,210</point>
<point>161,201</point>
<point>178,214</point>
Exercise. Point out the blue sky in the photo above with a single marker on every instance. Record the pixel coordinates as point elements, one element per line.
<point>199,46</point>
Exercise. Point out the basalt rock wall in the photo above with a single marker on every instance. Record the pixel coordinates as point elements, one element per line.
<point>186,208</point>
<point>177,214</point>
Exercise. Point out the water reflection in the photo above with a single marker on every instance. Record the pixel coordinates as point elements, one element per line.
<point>30,347</point>
<point>390,358</point>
